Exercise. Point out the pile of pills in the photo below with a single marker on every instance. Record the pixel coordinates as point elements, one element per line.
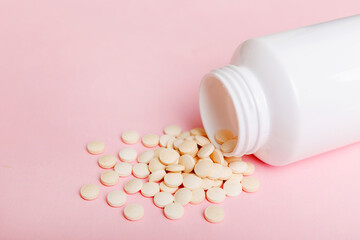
<point>186,168</point>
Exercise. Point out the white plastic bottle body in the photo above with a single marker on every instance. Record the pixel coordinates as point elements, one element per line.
<point>296,92</point>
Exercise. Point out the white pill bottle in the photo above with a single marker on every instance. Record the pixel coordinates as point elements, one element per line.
<point>290,95</point>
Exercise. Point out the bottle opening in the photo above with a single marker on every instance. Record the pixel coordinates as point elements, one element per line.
<point>217,108</point>
<point>231,98</point>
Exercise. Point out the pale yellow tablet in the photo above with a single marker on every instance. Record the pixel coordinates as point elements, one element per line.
<point>229,146</point>
<point>188,147</point>
<point>146,156</point>
<point>206,150</point>
<point>173,179</point>
<point>198,195</point>
<point>107,161</point>
<point>95,147</point>
<point>223,135</point>
<point>232,188</point>
<point>167,189</point>
<point>174,211</point>
<point>188,162</point>
<point>157,176</point>
<point>133,186</point>
<point>141,170</point>
<point>214,214</point>
<point>130,137</point>
<point>197,132</point>
<point>250,184</point>
<point>134,212</point>
<point>109,178</point>
<point>215,195</point>
<point>124,169</point>
<point>191,181</point>
<point>90,192</point>
<point>150,140</point>
<point>149,189</point>
<point>168,156</point>
<point>127,154</point>
<point>183,196</point>
<point>173,130</point>
<point>161,199</point>
<point>116,198</point>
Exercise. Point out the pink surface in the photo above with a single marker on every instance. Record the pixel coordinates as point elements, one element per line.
<point>76,71</point>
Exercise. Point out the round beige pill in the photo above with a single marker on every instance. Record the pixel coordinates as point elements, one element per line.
<point>150,140</point>
<point>216,171</point>
<point>201,140</point>
<point>149,189</point>
<point>184,174</point>
<point>214,214</point>
<point>184,135</point>
<point>232,188</point>
<point>188,147</point>
<point>215,195</point>
<point>95,147</point>
<point>157,151</point>
<point>167,189</point>
<point>161,199</point>
<point>169,156</point>
<point>207,183</point>
<point>134,212</point>
<point>250,169</point>
<point>191,181</point>
<point>183,196</point>
<point>146,156</point>
<point>217,183</point>
<point>157,176</point>
<point>188,162</point>
<point>141,170</point>
<point>173,179</point>
<point>109,178</point>
<point>155,165</point>
<point>203,167</point>
<point>226,173</point>
<point>228,146</point>
<point>133,186</point>
<point>223,135</point>
<point>127,154</point>
<point>198,195</point>
<point>238,176</point>
<point>233,159</point>
<point>170,143</point>
<point>116,198</point>
<point>206,150</point>
<point>174,168</point>
<point>164,139</point>
<point>124,169</point>
<point>174,211</point>
<point>90,192</point>
<point>197,132</point>
<point>177,143</point>
<point>107,161</point>
<point>172,130</point>
<point>238,167</point>
<point>218,157</point>
<point>130,137</point>
<point>250,184</point>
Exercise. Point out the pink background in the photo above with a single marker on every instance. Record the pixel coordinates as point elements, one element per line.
<point>76,71</point>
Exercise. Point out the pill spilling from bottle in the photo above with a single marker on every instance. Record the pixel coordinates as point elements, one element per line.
<point>184,168</point>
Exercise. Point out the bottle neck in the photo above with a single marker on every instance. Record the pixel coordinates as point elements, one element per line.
<point>232,98</point>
